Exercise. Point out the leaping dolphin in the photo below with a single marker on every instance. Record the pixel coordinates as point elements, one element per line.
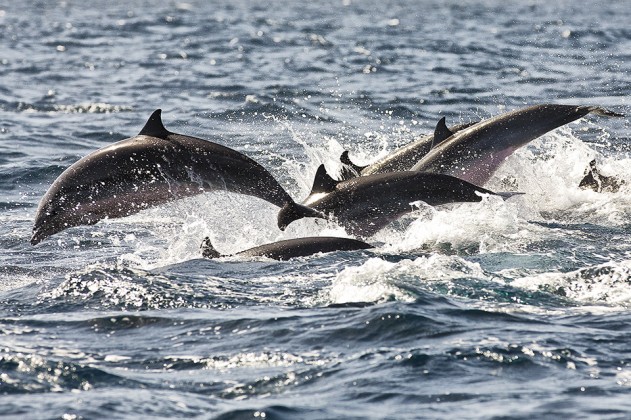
<point>292,248</point>
<point>474,154</point>
<point>366,204</point>
<point>152,168</point>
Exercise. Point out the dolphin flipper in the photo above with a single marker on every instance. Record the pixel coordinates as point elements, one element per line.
<point>508,194</point>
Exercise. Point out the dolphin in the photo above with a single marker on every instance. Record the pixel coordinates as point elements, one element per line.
<point>403,158</point>
<point>152,168</point>
<point>292,248</point>
<point>474,153</point>
<point>366,204</point>
<point>594,180</point>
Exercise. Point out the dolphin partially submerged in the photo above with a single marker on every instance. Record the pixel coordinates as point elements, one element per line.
<point>291,248</point>
<point>366,204</point>
<point>474,153</point>
<point>152,168</point>
<point>595,181</point>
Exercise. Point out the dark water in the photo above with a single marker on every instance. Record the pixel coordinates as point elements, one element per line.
<point>516,309</point>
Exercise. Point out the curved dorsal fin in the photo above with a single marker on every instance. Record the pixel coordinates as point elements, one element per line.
<point>346,160</point>
<point>322,182</point>
<point>208,250</point>
<point>349,169</point>
<point>441,132</point>
<point>154,126</point>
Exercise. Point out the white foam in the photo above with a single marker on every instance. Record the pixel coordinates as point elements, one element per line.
<point>608,283</point>
<point>377,280</point>
<point>549,171</point>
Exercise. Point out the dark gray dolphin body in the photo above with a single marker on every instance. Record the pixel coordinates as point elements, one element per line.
<point>474,154</point>
<point>152,168</point>
<point>403,158</point>
<point>594,180</point>
<point>292,248</point>
<point>366,204</point>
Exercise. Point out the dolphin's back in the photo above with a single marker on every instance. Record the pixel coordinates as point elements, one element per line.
<point>292,248</point>
<point>366,204</point>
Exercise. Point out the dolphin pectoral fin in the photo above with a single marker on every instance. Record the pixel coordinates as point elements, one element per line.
<point>38,235</point>
<point>154,126</point>
<point>349,169</point>
<point>208,250</point>
<point>604,112</point>
<point>508,194</point>
<point>322,182</point>
<point>293,211</point>
<point>441,132</point>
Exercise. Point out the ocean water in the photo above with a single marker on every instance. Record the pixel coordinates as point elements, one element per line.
<point>499,309</point>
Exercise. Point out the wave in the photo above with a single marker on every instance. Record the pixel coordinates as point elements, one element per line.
<point>606,283</point>
<point>29,373</point>
<point>48,107</point>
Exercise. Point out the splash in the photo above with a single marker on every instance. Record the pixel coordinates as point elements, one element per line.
<point>378,280</point>
<point>549,171</point>
<point>608,283</point>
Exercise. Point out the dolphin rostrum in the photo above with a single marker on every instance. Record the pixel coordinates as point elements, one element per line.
<point>366,204</point>
<point>474,153</point>
<point>154,167</point>
<point>292,248</point>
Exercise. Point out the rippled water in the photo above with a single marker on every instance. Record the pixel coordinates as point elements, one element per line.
<point>515,309</point>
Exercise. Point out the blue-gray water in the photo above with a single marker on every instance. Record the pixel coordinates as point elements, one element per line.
<point>516,309</point>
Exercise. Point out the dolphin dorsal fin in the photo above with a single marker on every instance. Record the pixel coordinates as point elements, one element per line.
<point>322,182</point>
<point>346,160</point>
<point>441,132</point>
<point>208,250</point>
<point>349,169</point>
<point>154,126</point>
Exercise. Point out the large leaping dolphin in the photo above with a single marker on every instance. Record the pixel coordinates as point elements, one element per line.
<point>366,204</point>
<point>152,168</point>
<point>474,154</point>
<point>291,248</point>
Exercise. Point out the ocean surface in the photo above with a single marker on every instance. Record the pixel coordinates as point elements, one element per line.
<point>499,309</point>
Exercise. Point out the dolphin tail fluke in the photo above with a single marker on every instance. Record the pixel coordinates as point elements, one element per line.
<point>604,112</point>
<point>293,211</point>
<point>208,250</point>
